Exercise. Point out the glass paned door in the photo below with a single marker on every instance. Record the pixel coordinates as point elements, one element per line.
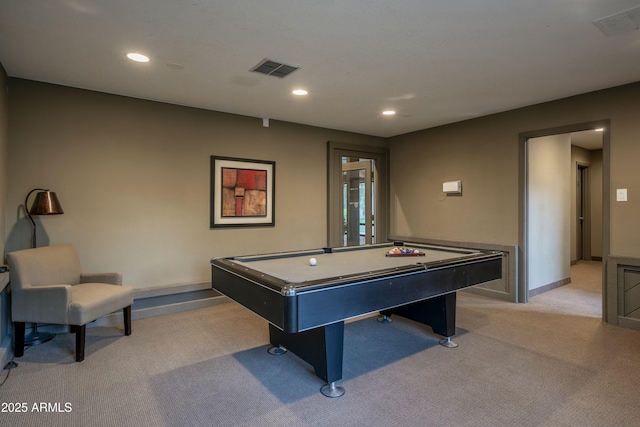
<point>358,201</point>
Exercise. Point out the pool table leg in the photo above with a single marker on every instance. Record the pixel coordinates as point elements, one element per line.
<point>321,347</point>
<point>438,312</point>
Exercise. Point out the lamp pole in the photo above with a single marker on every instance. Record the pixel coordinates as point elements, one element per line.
<point>46,203</point>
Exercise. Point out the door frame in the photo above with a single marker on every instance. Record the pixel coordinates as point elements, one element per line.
<point>335,152</point>
<point>609,309</point>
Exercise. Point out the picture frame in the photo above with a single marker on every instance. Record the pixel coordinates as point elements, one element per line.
<point>242,192</point>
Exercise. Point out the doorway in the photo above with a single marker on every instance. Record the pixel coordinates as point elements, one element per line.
<point>358,194</point>
<point>580,232</point>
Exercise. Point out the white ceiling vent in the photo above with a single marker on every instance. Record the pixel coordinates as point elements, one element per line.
<point>274,68</point>
<point>619,23</point>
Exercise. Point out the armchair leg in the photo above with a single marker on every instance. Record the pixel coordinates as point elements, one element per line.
<point>80,332</point>
<point>126,312</point>
<point>18,349</point>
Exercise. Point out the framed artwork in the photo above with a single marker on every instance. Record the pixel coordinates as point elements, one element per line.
<point>242,192</point>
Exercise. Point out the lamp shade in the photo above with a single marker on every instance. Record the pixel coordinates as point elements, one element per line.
<point>46,203</point>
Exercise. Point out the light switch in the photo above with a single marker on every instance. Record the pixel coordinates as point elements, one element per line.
<point>621,195</point>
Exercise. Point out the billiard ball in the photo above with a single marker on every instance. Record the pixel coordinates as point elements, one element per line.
<point>312,261</point>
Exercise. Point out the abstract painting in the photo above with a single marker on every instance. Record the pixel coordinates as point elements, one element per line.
<point>242,192</point>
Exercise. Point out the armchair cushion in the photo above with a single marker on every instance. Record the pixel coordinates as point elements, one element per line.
<point>93,300</point>
<point>111,278</point>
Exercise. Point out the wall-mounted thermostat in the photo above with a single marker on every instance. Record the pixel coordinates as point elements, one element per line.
<point>621,195</point>
<point>452,187</point>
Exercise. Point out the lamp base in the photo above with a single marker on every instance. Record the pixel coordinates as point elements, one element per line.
<point>37,337</point>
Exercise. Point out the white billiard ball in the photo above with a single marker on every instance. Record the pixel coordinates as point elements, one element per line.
<point>312,261</point>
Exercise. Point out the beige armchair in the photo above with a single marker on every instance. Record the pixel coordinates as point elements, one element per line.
<point>48,286</point>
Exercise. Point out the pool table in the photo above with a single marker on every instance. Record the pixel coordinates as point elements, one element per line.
<point>306,305</point>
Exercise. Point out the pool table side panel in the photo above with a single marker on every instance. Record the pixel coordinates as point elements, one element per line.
<point>262,300</point>
<point>344,302</point>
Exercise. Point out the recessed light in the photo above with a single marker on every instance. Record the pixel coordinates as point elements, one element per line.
<point>599,130</point>
<point>388,112</point>
<point>300,92</point>
<point>138,57</point>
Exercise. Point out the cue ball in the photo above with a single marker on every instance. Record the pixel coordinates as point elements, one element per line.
<point>312,261</point>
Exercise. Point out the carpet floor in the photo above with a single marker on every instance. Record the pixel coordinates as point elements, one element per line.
<point>550,362</point>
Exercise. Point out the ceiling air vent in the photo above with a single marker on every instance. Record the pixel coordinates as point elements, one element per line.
<point>619,23</point>
<point>273,68</point>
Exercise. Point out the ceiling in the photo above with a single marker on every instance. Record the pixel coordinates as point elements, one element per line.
<point>587,139</point>
<point>432,61</point>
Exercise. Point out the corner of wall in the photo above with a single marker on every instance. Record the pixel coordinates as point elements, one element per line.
<point>4,143</point>
<point>6,350</point>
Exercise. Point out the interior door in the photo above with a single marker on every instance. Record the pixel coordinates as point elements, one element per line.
<point>583,213</point>
<point>580,215</point>
<point>357,201</point>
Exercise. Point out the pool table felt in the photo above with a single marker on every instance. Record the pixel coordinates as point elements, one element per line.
<point>294,268</point>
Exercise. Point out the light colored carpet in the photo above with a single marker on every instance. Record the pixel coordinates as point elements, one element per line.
<point>551,362</point>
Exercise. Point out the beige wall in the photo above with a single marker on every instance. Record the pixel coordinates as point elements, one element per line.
<point>549,209</point>
<point>484,154</point>
<point>133,179</point>
<point>473,152</point>
<point>595,174</point>
<point>3,160</point>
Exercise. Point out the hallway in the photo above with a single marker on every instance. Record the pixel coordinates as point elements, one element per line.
<point>583,296</point>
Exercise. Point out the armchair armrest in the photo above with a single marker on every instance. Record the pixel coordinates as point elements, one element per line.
<point>110,278</point>
<point>41,304</point>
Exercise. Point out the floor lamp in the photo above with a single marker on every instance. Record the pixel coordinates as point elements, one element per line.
<point>45,203</point>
